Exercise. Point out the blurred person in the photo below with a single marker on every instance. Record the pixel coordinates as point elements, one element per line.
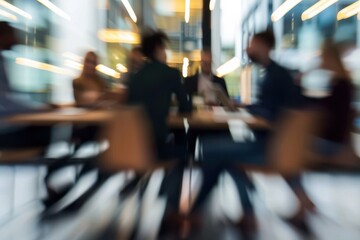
<point>89,87</point>
<point>332,115</point>
<point>202,83</point>
<point>277,93</point>
<point>16,137</point>
<point>135,61</point>
<point>337,112</point>
<point>152,88</point>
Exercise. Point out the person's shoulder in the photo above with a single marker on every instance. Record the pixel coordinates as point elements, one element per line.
<point>77,81</point>
<point>343,83</point>
<point>192,77</point>
<point>218,79</point>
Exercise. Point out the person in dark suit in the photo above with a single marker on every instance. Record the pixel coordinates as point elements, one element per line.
<point>201,83</point>
<point>152,88</point>
<point>15,137</point>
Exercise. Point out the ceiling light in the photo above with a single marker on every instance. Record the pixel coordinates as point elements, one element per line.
<point>283,9</point>
<point>41,66</point>
<point>130,10</point>
<point>108,71</point>
<point>228,67</point>
<point>74,65</point>
<point>121,68</point>
<point>185,67</point>
<point>349,11</point>
<point>317,8</point>
<point>11,7</point>
<point>55,9</point>
<point>212,5</point>
<point>118,36</point>
<point>72,56</point>
<point>187,11</point>
<point>8,15</point>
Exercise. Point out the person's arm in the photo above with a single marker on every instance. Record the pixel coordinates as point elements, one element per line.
<point>77,92</point>
<point>222,83</point>
<point>184,100</point>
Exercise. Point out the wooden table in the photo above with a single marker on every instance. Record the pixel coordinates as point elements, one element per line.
<point>207,119</point>
<point>73,116</point>
<point>202,119</point>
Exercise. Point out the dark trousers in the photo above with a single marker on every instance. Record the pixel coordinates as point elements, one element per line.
<point>172,183</point>
<point>26,137</point>
<point>221,153</point>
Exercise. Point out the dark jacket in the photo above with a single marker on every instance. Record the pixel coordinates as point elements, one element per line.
<point>191,84</point>
<point>277,92</point>
<point>152,88</point>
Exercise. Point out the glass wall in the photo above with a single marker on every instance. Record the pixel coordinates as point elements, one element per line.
<point>298,38</point>
<point>54,37</point>
<point>54,40</point>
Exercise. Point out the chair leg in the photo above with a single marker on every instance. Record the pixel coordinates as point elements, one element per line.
<point>191,165</point>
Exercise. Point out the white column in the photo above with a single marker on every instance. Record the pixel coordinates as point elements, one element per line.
<point>76,36</point>
<point>278,26</point>
<point>216,35</point>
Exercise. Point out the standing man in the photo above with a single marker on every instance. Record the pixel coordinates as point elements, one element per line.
<point>202,83</point>
<point>152,88</point>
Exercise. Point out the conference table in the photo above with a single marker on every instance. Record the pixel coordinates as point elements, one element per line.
<point>201,119</point>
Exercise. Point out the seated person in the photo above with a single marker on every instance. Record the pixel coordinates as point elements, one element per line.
<point>202,83</point>
<point>152,88</point>
<point>16,137</point>
<point>277,92</point>
<point>89,87</point>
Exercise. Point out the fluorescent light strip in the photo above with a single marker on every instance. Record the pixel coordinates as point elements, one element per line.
<point>349,11</point>
<point>74,65</point>
<point>317,8</point>
<point>118,36</point>
<point>15,9</point>
<point>108,71</point>
<point>212,5</point>
<point>185,67</point>
<point>228,67</point>
<point>130,10</point>
<point>121,68</point>
<point>55,9</point>
<point>41,66</point>
<point>72,56</point>
<point>8,15</point>
<point>283,9</point>
<point>187,11</point>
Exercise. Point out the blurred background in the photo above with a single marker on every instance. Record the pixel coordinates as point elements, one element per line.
<point>55,39</point>
<point>56,34</point>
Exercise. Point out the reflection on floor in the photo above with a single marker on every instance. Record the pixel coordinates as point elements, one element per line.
<point>106,216</point>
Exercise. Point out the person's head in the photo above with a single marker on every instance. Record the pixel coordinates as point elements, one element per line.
<point>206,61</point>
<point>90,63</point>
<point>135,59</point>
<point>7,36</point>
<point>153,45</point>
<point>260,47</point>
<point>331,58</point>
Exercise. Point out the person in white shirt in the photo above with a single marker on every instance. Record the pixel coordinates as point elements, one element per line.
<point>202,82</point>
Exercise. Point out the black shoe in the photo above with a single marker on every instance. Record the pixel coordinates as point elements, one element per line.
<point>130,187</point>
<point>55,196</point>
<point>299,224</point>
